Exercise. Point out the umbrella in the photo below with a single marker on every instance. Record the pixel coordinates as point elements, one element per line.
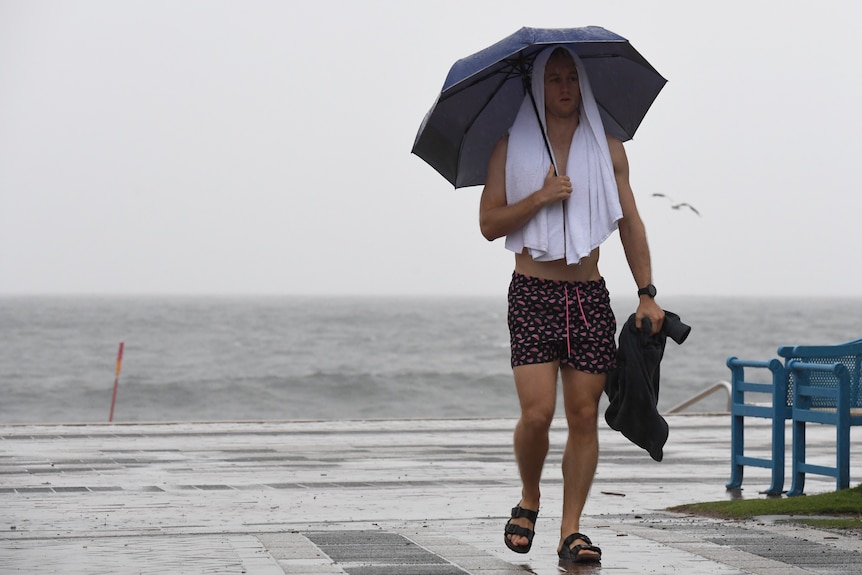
<point>482,93</point>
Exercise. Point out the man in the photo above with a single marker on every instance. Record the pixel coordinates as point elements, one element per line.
<point>560,319</point>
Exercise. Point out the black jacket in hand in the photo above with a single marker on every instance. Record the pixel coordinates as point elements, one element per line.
<point>633,384</point>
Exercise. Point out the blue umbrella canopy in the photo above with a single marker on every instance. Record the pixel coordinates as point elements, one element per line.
<point>483,92</point>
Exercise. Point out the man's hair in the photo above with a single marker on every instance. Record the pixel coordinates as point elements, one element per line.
<point>560,52</point>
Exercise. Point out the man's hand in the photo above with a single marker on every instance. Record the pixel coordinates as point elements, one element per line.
<point>556,188</point>
<point>648,308</point>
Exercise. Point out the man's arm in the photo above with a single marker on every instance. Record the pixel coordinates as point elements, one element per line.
<point>496,217</point>
<point>633,238</point>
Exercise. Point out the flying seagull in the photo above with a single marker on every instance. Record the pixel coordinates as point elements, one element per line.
<point>677,206</point>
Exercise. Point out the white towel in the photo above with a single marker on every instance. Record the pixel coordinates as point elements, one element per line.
<point>591,213</point>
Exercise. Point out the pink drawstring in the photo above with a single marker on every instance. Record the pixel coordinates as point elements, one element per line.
<point>583,316</point>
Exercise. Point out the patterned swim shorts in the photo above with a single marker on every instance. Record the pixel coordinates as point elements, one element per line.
<point>569,322</point>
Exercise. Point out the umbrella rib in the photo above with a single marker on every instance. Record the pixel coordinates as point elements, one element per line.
<point>612,117</point>
<point>488,100</point>
<point>514,68</point>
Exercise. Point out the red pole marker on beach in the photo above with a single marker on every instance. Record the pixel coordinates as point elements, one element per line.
<point>116,382</point>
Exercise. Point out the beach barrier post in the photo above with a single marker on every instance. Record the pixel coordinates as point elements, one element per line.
<point>116,382</point>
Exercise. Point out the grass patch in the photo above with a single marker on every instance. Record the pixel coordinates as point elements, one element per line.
<point>832,524</point>
<point>843,508</point>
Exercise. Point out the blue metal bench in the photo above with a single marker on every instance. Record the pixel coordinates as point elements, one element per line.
<point>826,387</point>
<point>807,387</point>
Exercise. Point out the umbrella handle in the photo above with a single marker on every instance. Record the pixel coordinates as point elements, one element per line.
<point>542,128</point>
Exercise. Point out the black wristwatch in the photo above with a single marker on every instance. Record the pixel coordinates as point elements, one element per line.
<point>648,290</point>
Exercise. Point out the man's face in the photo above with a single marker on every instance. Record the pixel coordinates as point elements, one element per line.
<point>562,91</point>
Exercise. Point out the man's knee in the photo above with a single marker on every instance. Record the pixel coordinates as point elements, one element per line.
<point>537,418</point>
<point>583,418</point>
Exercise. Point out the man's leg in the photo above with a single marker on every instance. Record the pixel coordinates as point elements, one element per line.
<point>581,394</point>
<point>537,393</point>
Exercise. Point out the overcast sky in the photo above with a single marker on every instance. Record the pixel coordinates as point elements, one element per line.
<point>263,147</point>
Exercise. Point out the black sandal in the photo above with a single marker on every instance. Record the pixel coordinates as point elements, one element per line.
<point>573,554</point>
<point>513,529</point>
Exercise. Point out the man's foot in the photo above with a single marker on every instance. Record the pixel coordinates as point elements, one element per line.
<point>519,532</point>
<point>579,549</point>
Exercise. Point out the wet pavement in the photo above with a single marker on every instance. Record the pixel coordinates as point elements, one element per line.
<point>399,497</point>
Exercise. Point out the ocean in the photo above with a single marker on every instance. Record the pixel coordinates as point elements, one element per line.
<point>286,358</point>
